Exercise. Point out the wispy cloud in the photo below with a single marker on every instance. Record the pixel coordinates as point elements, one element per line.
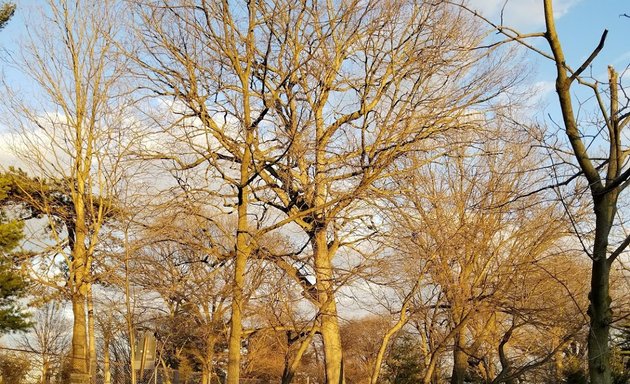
<point>540,91</point>
<point>521,14</point>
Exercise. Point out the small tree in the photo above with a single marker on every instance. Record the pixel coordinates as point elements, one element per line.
<point>13,368</point>
<point>49,340</point>
<point>404,363</point>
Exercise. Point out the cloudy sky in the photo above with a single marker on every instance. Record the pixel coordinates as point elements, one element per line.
<point>580,24</point>
<point>523,13</point>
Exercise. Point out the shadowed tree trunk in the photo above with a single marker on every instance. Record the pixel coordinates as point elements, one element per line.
<point>604,192</point>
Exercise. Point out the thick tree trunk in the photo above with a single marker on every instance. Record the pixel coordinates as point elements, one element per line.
<point>236,326</point>
<point>600,317</point>
<point>599,310</point>
<point>332,344</point>
<point>460,359</point>
<point>331,336</point>
<point>79,360</point>
<point>79,369</point>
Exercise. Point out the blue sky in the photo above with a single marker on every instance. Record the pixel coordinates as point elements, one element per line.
<point>584,23</point>
<point>11,33</point>
<point>580,24</point>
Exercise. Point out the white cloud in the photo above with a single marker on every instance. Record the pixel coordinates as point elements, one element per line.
<point>542,89</point>
<point>521,14</point>
<point>7,151</point>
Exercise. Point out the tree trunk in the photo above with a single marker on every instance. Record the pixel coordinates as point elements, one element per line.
<point>460,359</point>
<point>79,364</point>
<point>291,365</point>
<point>600,314</point>
<point>380,356</point>
<point>45,372</point>
<point>206,369</point>
<point>332,345</point>
<point>604,200</point>
<point>331,336</point>
<point>205,374</point>
<point>599,310</point>
<point>505,376</point>
<point>166,375</point>
<point>236,326</point>
<point>79,370</point>
<point>430,370</point>
<point>129,317</point>
<point>242,254</point>
<point>107,375</point>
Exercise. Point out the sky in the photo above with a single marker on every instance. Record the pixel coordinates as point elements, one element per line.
<point>580,24</point>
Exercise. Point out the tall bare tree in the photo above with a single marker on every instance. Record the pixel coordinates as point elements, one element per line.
<point>598,156</point>
<point>607,178</point>
<point>70,122</point>
<point>301,107</point>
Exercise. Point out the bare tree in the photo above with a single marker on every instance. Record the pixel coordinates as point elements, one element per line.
<point>606,178</point>
<point>193,283</point>
<point>49,340</point>
<point>300,108</point>
<point>469,235</point>
<point>598,155</point>
<point>14,367</point>
<point>68,123</point>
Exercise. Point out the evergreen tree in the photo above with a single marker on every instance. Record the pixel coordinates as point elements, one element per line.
<point>12,285</point>
<point>404,364</point>
<point>6,11</point>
